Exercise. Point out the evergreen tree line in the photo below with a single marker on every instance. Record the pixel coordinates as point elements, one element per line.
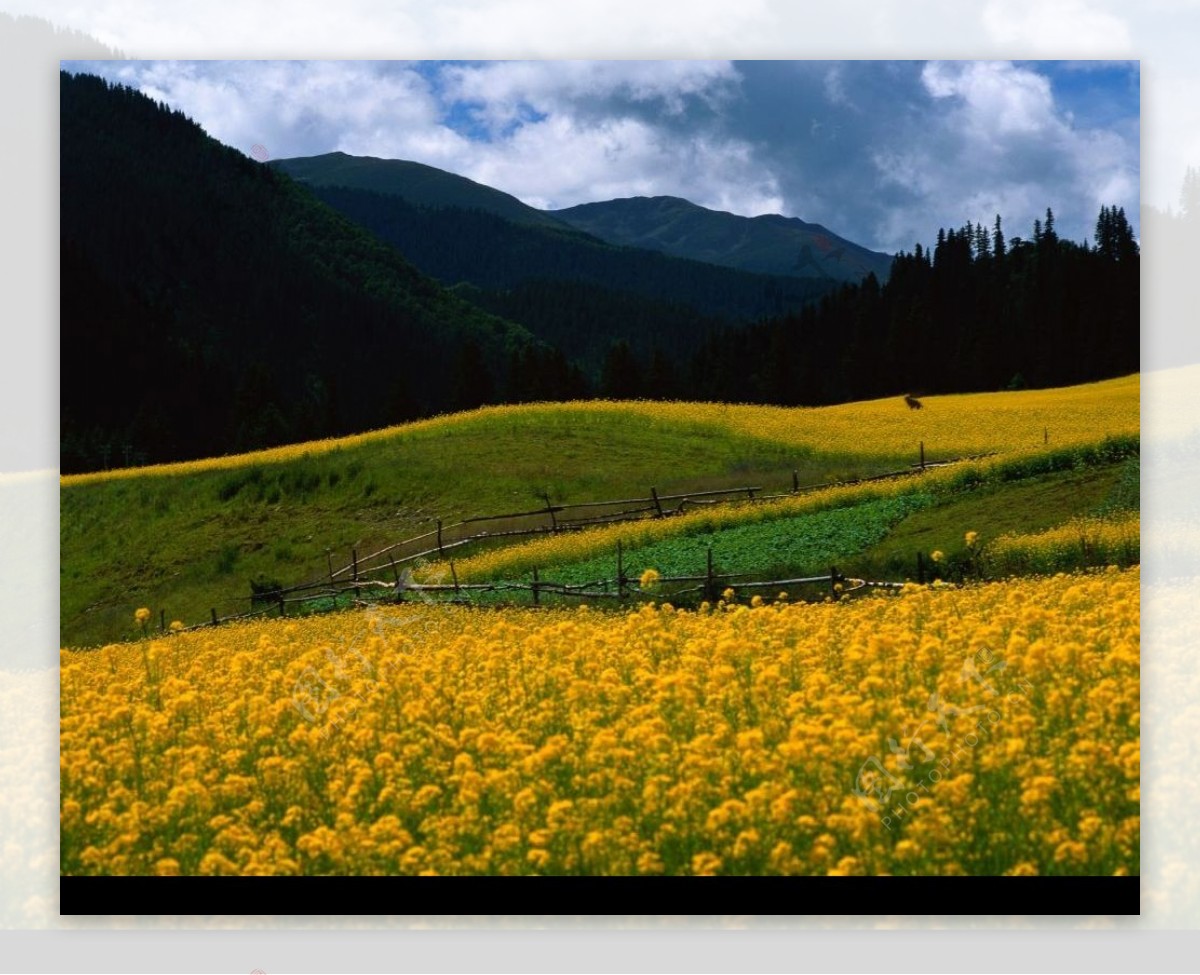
<point>974,312</point>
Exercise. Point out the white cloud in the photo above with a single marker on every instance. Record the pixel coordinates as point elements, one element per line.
<point>550,85</point>
<point>1057,27</point>
<point>997,142</point>
<point>999,99</point>
<point>561,161</point>
<point>560,132</point>
<point>292,107</point>
<point>834,82</point>
<point>925,146</point>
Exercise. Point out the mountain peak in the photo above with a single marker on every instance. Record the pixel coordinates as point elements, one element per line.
<point>769,243</point>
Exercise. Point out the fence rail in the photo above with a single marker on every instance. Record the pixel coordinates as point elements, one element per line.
<point>358,573</point>
<point>621,588</point>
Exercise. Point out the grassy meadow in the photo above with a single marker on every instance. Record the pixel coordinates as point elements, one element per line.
<point>185,538</point>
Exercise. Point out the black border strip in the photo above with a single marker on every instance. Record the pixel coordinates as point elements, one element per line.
<point>1033,896</point>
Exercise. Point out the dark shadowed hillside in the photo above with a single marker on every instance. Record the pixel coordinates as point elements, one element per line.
<point>210,303</point>
<point>566,287</point>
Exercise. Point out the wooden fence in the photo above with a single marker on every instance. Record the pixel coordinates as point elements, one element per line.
<point>620,587</point>
<point>363,572</point>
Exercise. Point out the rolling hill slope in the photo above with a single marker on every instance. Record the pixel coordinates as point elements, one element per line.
<point>190,536</point>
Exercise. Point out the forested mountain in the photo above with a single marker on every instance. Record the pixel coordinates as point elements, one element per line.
<point>975,312</point>
<point>768,244</point>
<point>210,303</point>
<point>568,288</point>
<point>414,182</point>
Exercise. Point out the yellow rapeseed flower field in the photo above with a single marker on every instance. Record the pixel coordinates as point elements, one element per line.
<point>959,424</point>
<point>986,730</point>
<point>1112,540</point>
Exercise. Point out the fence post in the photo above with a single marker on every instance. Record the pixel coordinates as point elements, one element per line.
<point>710,592</point>
<point>657,504</point>
<point>620,572</point>
<point>214,616</point>
<point>162,621</point>
<point>1045,435</point>
<point>750,493</point>
<point>329,560</point>
<point>536,590</point>
<point>920,568</point>
<point>396,576</point>
<point>354,564</point>
<point>833,581</point>
<point>454,576</point>
<point>795,481</point>
<point>550,512</point>
<point>440,536</point>
<point>282,606</point>
<point>922,456</point>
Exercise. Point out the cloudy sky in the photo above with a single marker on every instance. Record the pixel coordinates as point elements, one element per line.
<point>880,152</point>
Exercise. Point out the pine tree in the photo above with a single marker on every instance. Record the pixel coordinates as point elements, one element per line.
<point>472,384</point>
<point>622,376</point>
<point>660,378</point>
<point>982,244</point>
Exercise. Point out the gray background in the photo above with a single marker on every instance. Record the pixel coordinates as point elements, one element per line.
<point>1162,33</point>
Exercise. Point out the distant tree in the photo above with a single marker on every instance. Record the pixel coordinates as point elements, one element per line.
<point>256,412</point>
<point>982,243</point>
<point>622,375</point>
<point>660,377</point>
<point>400,406</point>
<point>1113,236</point>
<point>472,383</point>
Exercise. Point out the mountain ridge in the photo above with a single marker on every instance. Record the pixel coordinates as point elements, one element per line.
<point>418,183</point>
<point>769,243</point>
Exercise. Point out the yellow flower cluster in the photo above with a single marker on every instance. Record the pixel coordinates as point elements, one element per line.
<point>982,730</point>
<point>959,424</point>
<point>1080,542</point>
